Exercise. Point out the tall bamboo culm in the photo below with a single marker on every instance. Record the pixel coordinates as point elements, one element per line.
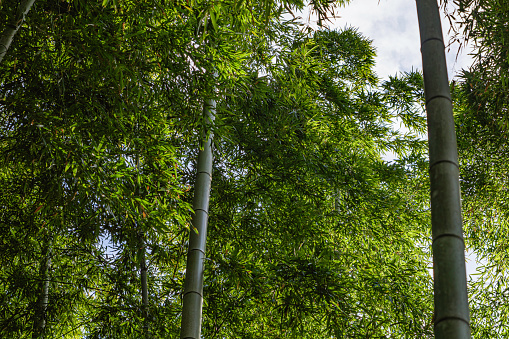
<point>144,289</point>
<point>193,286</point>
<point>143,261</point>
<point>452,319</point>
<point>11,29</point>
<point>43,299</point>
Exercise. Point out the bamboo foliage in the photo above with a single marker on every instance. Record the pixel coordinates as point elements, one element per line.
<point>481,103</point>
<point>452,318</point>
<point>193,286</point>
<point>283,257</point>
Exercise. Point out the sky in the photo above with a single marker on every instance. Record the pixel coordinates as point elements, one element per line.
<point>393,27</point>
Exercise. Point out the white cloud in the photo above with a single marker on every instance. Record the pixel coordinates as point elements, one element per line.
<point>393,27</point>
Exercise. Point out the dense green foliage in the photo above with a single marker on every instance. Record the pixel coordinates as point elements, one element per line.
<point>311,233</point>
<point>481,104</point>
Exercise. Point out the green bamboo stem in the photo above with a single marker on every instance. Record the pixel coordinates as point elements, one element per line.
<point>144,291</point>
<point>452,319</point>
<point>11,29</point>
<point>43,299</point>
<point>143,260</point>
<point>193,286</point>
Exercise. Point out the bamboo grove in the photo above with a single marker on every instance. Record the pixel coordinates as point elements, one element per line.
<point>105,107</point>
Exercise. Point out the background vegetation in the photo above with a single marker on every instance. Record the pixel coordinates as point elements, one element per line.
<point>311,232</point>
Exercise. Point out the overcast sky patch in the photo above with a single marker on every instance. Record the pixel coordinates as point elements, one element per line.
<point>393,27</point>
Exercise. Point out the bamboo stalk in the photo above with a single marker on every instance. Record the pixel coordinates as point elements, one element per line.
<point>143,260</point>
<point>42,301</point>
<point>11,29</point>
<point>144,290</point>
<point>452,319</point>
<point>193,286</point>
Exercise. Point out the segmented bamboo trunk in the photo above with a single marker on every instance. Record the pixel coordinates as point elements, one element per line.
<point>193,286</point>
<point>144,290</point>
<point>42,301</point>
<point>11,29</point>
<point>143,261</point>
<point>452,319</point>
